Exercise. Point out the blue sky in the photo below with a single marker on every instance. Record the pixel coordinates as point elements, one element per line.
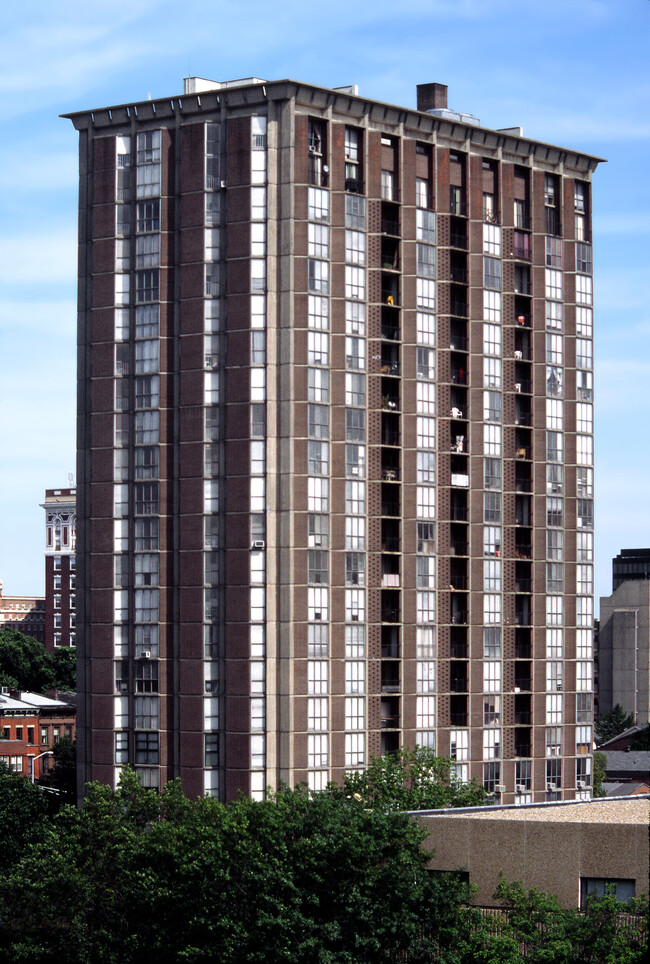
<point>572,72</point>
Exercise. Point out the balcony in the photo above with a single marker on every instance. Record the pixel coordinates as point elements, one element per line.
<point>390,648</point>
<point>522,749</point>
<point>458,710</point>
<point>390,677</point>
<point>390,713</point>
<point>524,452</point>
<point>460,479</point>
<point>458,306</point>
<point>457,233</point>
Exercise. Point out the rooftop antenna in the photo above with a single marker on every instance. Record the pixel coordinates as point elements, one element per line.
<point>189,66</point>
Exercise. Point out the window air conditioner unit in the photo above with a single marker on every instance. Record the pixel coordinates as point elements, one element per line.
<point>259,544</point>
<point>223,183</point>
<point>551,786</point>
<point>520,788</point>
<point>500,788</point>
<point>354,470</point>
<point>582,784</point>
<point>145,654</point>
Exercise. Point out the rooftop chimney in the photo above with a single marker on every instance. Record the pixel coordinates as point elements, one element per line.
<point>431,96</point>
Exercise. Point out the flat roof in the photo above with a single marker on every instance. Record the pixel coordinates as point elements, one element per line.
<point>241,93</point>
<point>627,810</point>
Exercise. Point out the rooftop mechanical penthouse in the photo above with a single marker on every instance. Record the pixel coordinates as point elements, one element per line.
<point>335,471</point>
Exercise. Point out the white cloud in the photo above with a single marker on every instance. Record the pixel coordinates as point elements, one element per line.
<point>36,172</point>
<point>39,258</point>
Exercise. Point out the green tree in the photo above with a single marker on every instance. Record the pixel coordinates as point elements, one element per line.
<point>63,776</point>
<point>600,774</point>
<point>25,664</point>
<point>63,662</point>
<point>410,779</point>
<point>24,811</point>
<point>135,876</point>
<point>641,740</point>
<point>612,723</point>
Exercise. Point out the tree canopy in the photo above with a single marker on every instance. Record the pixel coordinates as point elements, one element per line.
<point>25,664</point>
<point>612,723</point>
<point>135,876</point>
<point>410,779</point>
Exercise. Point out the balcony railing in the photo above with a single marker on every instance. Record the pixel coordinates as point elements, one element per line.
<point>523,550</point>
<point>460,479</point>
<point>390,614</point>
<point>390,722</point>
<point>458,275</point>
<point>458,342</point>
<point>459,618</point>
<point>458,684</point>
<point>390,544</point>
<point>458,719</point>
<point>459,548</point>
<point>458,239</point>
<point>522,749</point>
<point>458,513</point>
<point>390,580</point>
<point>522,683</point>
<point>389,226</point>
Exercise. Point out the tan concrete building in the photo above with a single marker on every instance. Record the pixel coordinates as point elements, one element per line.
<point>566,849</point>
<point>335,463</point>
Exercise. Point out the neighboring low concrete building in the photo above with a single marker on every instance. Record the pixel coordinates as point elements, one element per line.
<point>30,725</point>
<point>624,650</point>
<point>566,849</point>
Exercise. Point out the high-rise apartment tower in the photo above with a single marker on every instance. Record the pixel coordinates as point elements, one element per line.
<point>335,441</point>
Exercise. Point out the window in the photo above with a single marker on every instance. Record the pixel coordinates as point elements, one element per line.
<point>317,348</point>
<point>317,204</point>
<point>553,349</point>
<point>318,275</point>
<point>355,497</point>
<point>355,389</point>
<point>492,406</point>
<point>555,544</point>
<point>355,247</point>
<point>584,350</point>
<point>492,273</point>
<point>492,308</point>
<point>146,748</point>
<point>583,258</point>
<point>492,440</point>
<point>425,226</point>
<point>355,353</point>
<point>554,252</point>
<point>492,372</point>
<point>355,676</point>
<point>355,563</point>
<point>317,676</point>
<point>317,644</point>
<point>425,294</point>
<point>584,289</point>
<point>355,457</point>
<point>355,283</point>
<point>426,467</point>
<point>492,239</point>
<point>492,473</point>
<point>352,159</point>
<point>584,322</point>
<point>317,421</point>
<point>492,507</point>
<point>355,425</point>
<point>355,212</point>
<point>388,192</point>
<point>354,713</point>
<point>318,241</point>
<point>317,457</point>
<point>317,566</point>
<point>317,494</point>
<point>426,537</point>
<point>426,260</point>
<point>492,541</point>
<point>317,713</point>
